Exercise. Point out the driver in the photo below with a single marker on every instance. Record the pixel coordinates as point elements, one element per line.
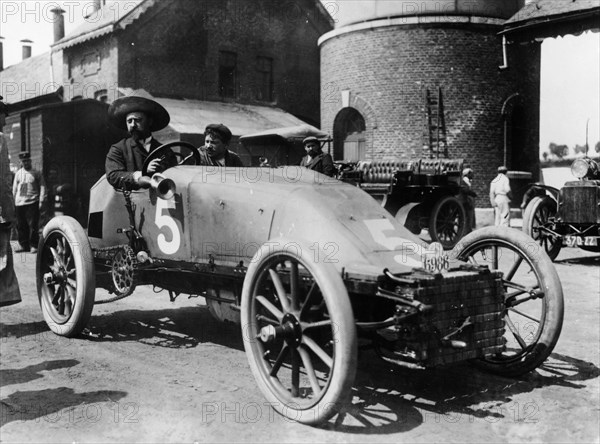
<point>124,161</point>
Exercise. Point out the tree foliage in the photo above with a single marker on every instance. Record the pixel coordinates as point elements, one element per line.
<point>559,151</point>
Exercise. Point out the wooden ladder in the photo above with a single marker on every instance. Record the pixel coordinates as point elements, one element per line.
<point>436,145</point>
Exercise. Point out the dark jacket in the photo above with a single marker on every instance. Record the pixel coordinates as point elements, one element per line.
<point>124,158</point>
<point>323,163</point>
<point>231,159</point>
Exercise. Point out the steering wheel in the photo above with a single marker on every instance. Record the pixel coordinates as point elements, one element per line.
<point>161,151</point>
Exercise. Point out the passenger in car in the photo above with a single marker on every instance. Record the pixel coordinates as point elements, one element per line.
<point>316,159</point>
<point>124,161</point>
<point>215,151</point>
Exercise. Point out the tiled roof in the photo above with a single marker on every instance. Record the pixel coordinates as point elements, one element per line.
<point>32,77</point>
<point>540,10</point>
<point>112,16</point>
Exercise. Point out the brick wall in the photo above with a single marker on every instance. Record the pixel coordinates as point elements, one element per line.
<point>388,69</point>
<point>173,50</point>
<point>90,68</point>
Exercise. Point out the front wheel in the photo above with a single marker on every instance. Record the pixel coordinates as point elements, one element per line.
<point>537,220</point>
<point>65,276</point>
<point>447,222</point>
<point>533,299</point>
<point>299,332</point>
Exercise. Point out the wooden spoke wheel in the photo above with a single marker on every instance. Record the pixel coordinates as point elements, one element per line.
<point>299,332</point>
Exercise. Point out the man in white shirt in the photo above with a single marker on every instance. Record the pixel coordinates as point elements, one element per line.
<point>140,117</point>
<point>500,194</point>
<point>29,191</point>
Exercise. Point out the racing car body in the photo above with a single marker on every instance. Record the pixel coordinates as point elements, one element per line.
<point>306,265</point>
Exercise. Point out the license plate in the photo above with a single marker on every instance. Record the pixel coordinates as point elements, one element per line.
<point>434,259</point>
<point>579,241</point>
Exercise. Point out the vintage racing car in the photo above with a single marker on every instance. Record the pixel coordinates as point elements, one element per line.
<point>306,266</point>
<point>569,216</point>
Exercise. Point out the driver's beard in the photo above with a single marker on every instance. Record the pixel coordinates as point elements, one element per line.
<point>137,135</point>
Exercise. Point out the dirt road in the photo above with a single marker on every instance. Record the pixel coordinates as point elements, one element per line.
<point>149,370</point>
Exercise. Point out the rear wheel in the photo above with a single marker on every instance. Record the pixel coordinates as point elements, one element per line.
<point>537,220</point>
<point>299,332</point>
<point>533,297</point>
<point>447,222</point>
<point>65,276</point>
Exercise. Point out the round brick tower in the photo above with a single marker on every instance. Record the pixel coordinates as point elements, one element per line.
<point>393,72</point>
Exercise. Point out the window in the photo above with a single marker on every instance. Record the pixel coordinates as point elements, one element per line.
<point>265,79</point>
<point>26,132</point>
<point>227,74</point>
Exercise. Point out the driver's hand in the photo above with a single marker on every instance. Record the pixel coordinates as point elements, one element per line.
<point>155,166</point>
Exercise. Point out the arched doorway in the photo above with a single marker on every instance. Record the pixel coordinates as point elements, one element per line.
<point>349,141</point>
<point>514,118</point>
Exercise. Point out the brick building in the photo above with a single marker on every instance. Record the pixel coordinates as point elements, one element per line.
<point>378,67</point>
<point>251,64</point>
<point>260,52</point>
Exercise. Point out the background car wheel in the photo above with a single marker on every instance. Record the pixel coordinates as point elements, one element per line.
<point>447,222</point>
<point>299,332</point>
<point>537,215</point>
<point>65,276</point>
<point>533,296</point>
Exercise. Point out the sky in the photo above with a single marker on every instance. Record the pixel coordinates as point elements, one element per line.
<point>570,85</point>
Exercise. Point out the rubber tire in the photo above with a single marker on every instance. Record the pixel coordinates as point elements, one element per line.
<point>345,344</point>
<point>547,277</point>
<point>435,214</point>
<point>536,208</point>
<point>70,230</point>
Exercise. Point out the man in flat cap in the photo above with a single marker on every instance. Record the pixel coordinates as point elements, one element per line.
<point>124,161</point>
<point>29,191</point>
<point>315,158</point>
<point>9,285</point>
<point>214,152</point>
<point>500,195</point>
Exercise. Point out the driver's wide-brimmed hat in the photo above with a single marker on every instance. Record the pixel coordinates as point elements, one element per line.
<point>118,110</point>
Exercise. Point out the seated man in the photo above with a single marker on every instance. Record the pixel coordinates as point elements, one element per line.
<point>316,159</point>
<point>214,152</point>
<point>124,161</point>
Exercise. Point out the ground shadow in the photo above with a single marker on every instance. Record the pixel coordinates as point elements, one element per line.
<point>58,404</point>
<point>583,260</point>
<point>53,405</point>
<point>32,372</point>
<point>390,399</point>
<point>183,327</point>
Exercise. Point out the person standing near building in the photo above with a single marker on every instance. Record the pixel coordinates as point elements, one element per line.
<point>29,191</point>
<point>9,285</point>
<point>500,195</point>
<point>468,197</point>
<point>315,158</point>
